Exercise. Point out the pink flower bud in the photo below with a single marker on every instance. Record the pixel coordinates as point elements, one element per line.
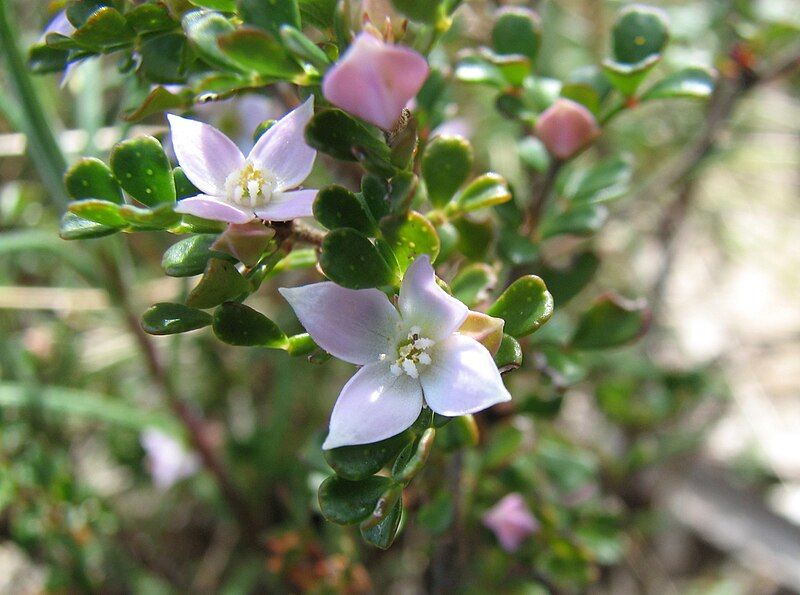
<point>566,127</point>
<point>374,80</point>
<point>511,521</point>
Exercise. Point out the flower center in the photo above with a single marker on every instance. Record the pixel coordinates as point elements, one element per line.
<point>411,353</point>
<point>250,186</point>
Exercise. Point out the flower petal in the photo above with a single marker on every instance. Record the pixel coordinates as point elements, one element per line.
<point>375,80</point>
<point>355,325</point>
<point>282,150</point>
<point>462,378</point>
<point>374,405</point>
<point>206,156</point>
<point>423,303</point>
<point>208,207</point>
<point>288,205</point>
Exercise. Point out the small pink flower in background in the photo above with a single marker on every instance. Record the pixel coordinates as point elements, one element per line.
<point>167,459</point>
<point>238,189</point>
<point>566,127</point>
<point>511,521</point>
<point>374,80</point>
<point>410,355</point>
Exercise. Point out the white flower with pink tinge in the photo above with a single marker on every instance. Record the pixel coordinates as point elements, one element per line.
<point>238,189</point>
<point>411,354</point>
<point>511,521</point>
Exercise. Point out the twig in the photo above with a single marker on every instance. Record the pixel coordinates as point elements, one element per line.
<point>533,214</point>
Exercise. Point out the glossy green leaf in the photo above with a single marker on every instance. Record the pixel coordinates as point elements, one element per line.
<point>349,502</point>
<point>639,32</point>
<point>221,5</point>
<point>147,18</point>
<point>424,11</point>
<point>691,83</point>
<point>168,319</point>
<point>304,49</point>
<point>483,192</point>
<point>258,51</point>
<point>584,94</point>
<point>605,181</point>
<point>165,57</point>
<point>509,356</point>
<point>336,207</point>
<point>404,471</point>
<point>565,283</point>
<point>158,101</point>
<point>99,211</point>
<point>190,256</point>
<point>143,170</point>
<point>43,59</point>
<point>237,324</point>
<point>203,29</point>
<point>409,236</point>
<point>627,78</point>
<point>517,248</point>
<point>525,306</point>
<point>183,187</point>
<point>517,31</point>
<point>477,69</point>
<point>610,322</point>
<point>582,220</point>
<point>76,228</point>
<point>160,217</point>
<point>221,282</point>
<point>271,15</point>
<point>105,28</point>
<point>361,461</point>
<point>514,67</point>
<point>91,178</point>
<point>375,193</point>
<point>383,534</point>
<point>338,134</point>
<point>473,283</point>
<point>446,165</point>
<point>474,236</point>
<point>349,259</point>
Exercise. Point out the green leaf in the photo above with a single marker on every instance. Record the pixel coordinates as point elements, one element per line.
<point>158,101</point>
<point>517,31</point>
<point>349,259</point>
<point>303,48</point>
<point>473,283</point>
<point>462,431</point>
<point>147,18</point>
<point>43,59</point>
<point>221,282</point>
<point>349,502</point>
<point>359,462</point>
<point>382,535</point>
<point>446,164</point>
<point>99,211</point>
<point>627,78</point>
<point>221,5</point>
<point>336,133</point>
<point>486,191</point>
<point>691,83</point>
<point>406,468</point>
<point>183,187</point>
<point>336,207</point>
<point>157,218</point>
<point>582,93</point>
<point>104,29</point>
<point>525,306</point>
<point>582,220</point>
<point>376,196</point>
<point>258,51</point>
<point>319,13</point>
<point>509,356</point>
<point>143,170</point>
<point>436,516</point>
<point>424,11</point>
<point>76,228</point>
<point>409,236</point>
<point>533,154</point>
<point>476,69</point>
<point>639,33</point>
<point>203,29</point>
<point>91,178</point>
<point>610,322</point>
<point>237,324</point>
<point>516,248</point>
<point>270,15</point>
<point>565,283</point>
<point>474,237</point>
<point>190,256</point>
<point>165,57</point>
<point>168,319</point>
<point>603,182</point>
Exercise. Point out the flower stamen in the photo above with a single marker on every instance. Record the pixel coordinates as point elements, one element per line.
<point>250,186</point>
<point>411,353</point>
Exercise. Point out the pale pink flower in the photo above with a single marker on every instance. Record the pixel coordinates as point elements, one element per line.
<point>511,521</point>
<point>167,460</point>
<point>411,354</point>
<point>566,127</point>
<point>374,80</point>
<point>238,189</point>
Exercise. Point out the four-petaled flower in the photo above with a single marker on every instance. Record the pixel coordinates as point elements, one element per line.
<point>411,354</point>
<point>511,521</point>
<point>238,189</point>
<point>375,80</point>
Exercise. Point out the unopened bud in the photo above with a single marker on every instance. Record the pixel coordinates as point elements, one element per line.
<point>566,127</point>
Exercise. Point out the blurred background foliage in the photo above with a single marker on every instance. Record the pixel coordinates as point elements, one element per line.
<point>668,465</point>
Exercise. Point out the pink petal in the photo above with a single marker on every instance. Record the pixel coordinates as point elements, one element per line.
<point>282,149</point>
<point>566,127</point>
<point>206,155</point>
<point>511,521</point>
<point>462,378</point>
<point>354,325</point>
<point>374,405</point>
<point>288,205</point>
<point>375,80</point>
<point>209,207</point>
<point>423,303</point>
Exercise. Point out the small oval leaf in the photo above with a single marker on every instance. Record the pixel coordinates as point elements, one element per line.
<point>168,319</point>
<point>237,324</point>
<point>525,306</point>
